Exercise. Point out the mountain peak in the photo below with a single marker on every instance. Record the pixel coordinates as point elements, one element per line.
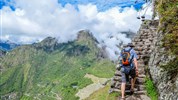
<point>84,35</point>
<point>48,44</point>
<point>49,41</point>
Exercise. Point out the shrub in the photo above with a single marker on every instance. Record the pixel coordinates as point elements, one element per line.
<point>151,90</point>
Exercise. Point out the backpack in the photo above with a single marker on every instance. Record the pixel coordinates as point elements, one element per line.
<point>126,57</point>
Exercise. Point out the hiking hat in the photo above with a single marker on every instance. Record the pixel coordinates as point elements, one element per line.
<point>130,45</point>
<point>124,45</point>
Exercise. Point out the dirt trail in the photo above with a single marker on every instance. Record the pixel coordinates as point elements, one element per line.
<point>88,90</point>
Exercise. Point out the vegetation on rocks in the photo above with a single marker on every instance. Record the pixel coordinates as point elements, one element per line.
<point>168,11</point>
<point>151,90</point>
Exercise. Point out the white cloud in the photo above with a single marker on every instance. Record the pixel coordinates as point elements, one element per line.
<point>36,19</point>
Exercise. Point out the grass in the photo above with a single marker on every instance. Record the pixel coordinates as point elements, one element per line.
<point>38,73</point>
<point>151,90</point>
<point>102,94</point>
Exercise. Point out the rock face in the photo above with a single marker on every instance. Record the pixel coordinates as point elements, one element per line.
<point>143,42</point>
<point>167,84</point>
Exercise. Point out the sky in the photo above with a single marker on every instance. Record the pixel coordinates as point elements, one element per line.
<point>28,21</point>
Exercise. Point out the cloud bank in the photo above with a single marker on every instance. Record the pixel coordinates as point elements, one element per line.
<point>34,20</point>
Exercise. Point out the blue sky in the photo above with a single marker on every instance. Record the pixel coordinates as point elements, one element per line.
<point>105,4</point>
<point>7,3</point>
<point>102,5</point>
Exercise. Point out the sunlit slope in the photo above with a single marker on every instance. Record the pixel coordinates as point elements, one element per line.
<point>49,70</point>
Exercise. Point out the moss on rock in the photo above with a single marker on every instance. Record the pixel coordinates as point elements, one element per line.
<point>168,12</point>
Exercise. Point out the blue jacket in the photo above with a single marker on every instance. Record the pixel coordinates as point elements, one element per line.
<point>132,54</point>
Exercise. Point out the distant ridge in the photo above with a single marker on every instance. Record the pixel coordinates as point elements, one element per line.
<point>7,45</point>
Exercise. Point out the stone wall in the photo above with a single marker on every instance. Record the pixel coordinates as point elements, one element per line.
<point>166,84</point>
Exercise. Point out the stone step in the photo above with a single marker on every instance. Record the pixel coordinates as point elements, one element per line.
<point>147,43</point>
<point>127,91</point>
<point>148,39</point>
<point>117,73</point>
<point>138,52</point>
<point>139,43</point>
<point>141,66</point>
<point>140,71</point>
<point>145,56</point>
<point>135,40</point>
<point>151,39</point>
<point>138,80</point>
<point>137,88</point>
<point>140,62</point>
<point>144,30</point>
<point>146,35</point>
<point>118,84</point>
<point>138,48</point>
<point>140,92</point>
<point>141,47</point>
<point>142,76</point>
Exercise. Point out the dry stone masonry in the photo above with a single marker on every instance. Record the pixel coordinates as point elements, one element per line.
<point>167,84</point>
<point>143,46</point>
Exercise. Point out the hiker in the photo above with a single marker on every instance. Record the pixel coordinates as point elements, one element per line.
<point>129,67</point>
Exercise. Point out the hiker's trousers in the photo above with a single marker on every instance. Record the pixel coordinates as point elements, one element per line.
<point>126,72</point>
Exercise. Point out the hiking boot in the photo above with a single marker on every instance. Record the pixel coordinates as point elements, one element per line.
<point>121,98</point>
<point>131,91</point>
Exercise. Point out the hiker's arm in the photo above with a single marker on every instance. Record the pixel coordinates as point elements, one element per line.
<point>135,63</point>
<point>136,66</point>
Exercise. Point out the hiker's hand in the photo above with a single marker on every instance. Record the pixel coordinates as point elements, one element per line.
<point>136,71</point>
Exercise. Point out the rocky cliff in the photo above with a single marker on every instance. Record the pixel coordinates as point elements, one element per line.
<point>163,63</point>
<point>166,83</point>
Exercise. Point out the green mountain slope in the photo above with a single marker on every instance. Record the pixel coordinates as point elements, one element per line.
<point>2,52</point>
<point>49,70</point>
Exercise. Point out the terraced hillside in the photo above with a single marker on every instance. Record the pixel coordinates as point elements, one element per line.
<point>50,70</point>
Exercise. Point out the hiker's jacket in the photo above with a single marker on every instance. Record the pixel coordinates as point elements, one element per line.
<point>132,54</point>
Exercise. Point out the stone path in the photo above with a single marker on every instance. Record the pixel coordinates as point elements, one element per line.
<point>98,83</point>
<point>143,46</point>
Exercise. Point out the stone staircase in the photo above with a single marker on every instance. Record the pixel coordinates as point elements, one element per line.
<point>143,46</point>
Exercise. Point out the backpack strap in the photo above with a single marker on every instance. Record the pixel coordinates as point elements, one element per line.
<point>126,50</point>
<point>131,55</point>
<point>130,50</point>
